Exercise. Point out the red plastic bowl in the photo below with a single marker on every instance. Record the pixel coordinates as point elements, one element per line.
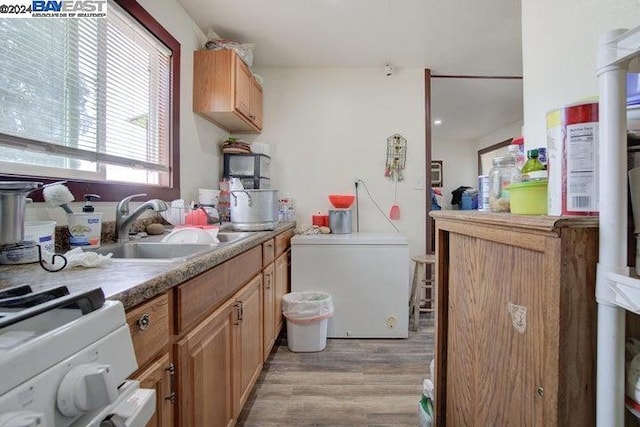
<point>341,201</point>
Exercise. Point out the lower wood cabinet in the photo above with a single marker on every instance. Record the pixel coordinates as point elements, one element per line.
<point>247,334</point>
<point>220,360</point>
<point>204,357</point>
<point>516,320</point>
<point>160,376</point>
<point>221,326</point>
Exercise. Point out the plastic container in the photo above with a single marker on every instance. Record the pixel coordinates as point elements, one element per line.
<point>341,201</point>
<point>43,233</point>
<point>307,315</point>
<point>311,337</point>
<point>483,193</point>
<point>529,198</point>
<point>85,229</point>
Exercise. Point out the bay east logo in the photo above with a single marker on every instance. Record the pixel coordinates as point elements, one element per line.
<point>69,8</point>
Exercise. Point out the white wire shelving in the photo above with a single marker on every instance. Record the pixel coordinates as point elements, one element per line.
<point>617,289</point>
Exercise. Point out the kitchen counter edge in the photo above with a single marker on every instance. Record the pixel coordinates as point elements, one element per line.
<point>132,283</point>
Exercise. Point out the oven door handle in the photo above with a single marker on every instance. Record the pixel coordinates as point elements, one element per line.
<point>134,408</point>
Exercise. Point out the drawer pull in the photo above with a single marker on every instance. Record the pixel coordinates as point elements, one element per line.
<point>143,322</point>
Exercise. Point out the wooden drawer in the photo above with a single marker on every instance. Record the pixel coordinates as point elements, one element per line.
<point>204,293</point>
<point>283,241</point>
<point>149,326</point>
<point>268,252</point>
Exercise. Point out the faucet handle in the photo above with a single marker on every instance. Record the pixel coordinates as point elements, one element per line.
<point>123,205</point>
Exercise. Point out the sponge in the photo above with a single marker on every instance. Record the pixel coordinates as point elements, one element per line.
<point>155,229</point>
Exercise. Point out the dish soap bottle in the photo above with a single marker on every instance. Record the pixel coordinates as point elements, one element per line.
<point>533,168</point>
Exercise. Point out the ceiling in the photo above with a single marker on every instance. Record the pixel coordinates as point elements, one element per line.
<point>456,37</point>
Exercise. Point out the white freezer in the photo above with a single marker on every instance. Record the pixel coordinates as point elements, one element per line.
<point>367,275</point>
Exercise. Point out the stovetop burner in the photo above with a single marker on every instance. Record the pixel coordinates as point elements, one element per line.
<point>20,303</point>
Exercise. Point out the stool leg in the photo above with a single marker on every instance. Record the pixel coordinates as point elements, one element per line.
<point>419,273</point>
<point>413,303</point>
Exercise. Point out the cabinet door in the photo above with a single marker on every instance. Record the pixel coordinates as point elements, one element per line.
<point>269,308</point>
<point>282,287</point>
<point>159,376</point>
<point>248,346</point>
<point>256,103</point>
<point>244,89</point>
<point>497,343</point>
<point>204,371</point>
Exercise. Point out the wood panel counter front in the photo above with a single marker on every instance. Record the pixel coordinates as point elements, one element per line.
<point>516,319</point>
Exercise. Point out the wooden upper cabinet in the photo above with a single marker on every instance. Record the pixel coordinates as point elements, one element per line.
<point>225,92</point>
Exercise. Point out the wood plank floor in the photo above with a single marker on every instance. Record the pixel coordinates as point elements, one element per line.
<point>353,382</point>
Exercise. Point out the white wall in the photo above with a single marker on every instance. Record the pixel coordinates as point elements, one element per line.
<point>559,41</point>
<point>199,139</point>
<point>327,127</point>
<point>510,131</point>
<point>459,163</point>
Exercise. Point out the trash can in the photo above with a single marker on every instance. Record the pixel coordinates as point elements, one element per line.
<point>307,314</point>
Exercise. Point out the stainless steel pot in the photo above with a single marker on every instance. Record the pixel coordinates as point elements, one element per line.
<point>340,221</point>
<point>13,198</point>
<point>254,210</point>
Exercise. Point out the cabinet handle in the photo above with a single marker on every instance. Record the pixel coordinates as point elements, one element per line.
<point>172,381</point>
<point>238,307</point>
<point>143,322</point>
<point>241,312</point>
<point>540,391</point>
<point>267,280</point>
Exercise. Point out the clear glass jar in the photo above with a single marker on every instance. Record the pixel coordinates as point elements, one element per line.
<point>502,174</point>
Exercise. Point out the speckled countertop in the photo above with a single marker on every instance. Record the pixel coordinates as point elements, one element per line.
<point>131,282</point>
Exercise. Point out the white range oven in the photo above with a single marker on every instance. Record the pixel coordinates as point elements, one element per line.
<point>64,361</point>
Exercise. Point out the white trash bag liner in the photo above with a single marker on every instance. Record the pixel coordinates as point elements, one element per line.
<point>307,307</point>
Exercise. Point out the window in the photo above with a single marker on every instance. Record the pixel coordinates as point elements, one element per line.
<point>92,101</point>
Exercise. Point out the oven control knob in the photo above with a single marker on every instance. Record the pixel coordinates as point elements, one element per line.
<point>22,419</point>
<point>85,388</point>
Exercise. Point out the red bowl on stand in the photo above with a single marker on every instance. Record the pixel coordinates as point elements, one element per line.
<point>341,201</point>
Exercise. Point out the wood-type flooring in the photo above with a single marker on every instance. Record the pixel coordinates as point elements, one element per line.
<point>353,382</point>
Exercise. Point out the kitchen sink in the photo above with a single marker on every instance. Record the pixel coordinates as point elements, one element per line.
<point>166,252</point>
<point>155,251</point>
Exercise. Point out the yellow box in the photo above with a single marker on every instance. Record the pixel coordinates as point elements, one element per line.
<point>529,197</point>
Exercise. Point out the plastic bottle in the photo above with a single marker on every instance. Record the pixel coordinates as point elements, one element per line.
<point>533,164</point>
<point>516,151</point>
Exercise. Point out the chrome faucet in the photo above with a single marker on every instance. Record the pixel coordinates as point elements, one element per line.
<point>124,219</point>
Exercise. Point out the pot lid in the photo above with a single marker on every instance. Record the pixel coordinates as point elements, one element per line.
<point>19,186</point>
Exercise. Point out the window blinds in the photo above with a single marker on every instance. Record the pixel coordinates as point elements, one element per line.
<point>96,90</point>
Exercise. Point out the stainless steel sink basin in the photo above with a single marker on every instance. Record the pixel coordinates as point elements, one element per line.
<point>156,251</point>
<point>166,252</point>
